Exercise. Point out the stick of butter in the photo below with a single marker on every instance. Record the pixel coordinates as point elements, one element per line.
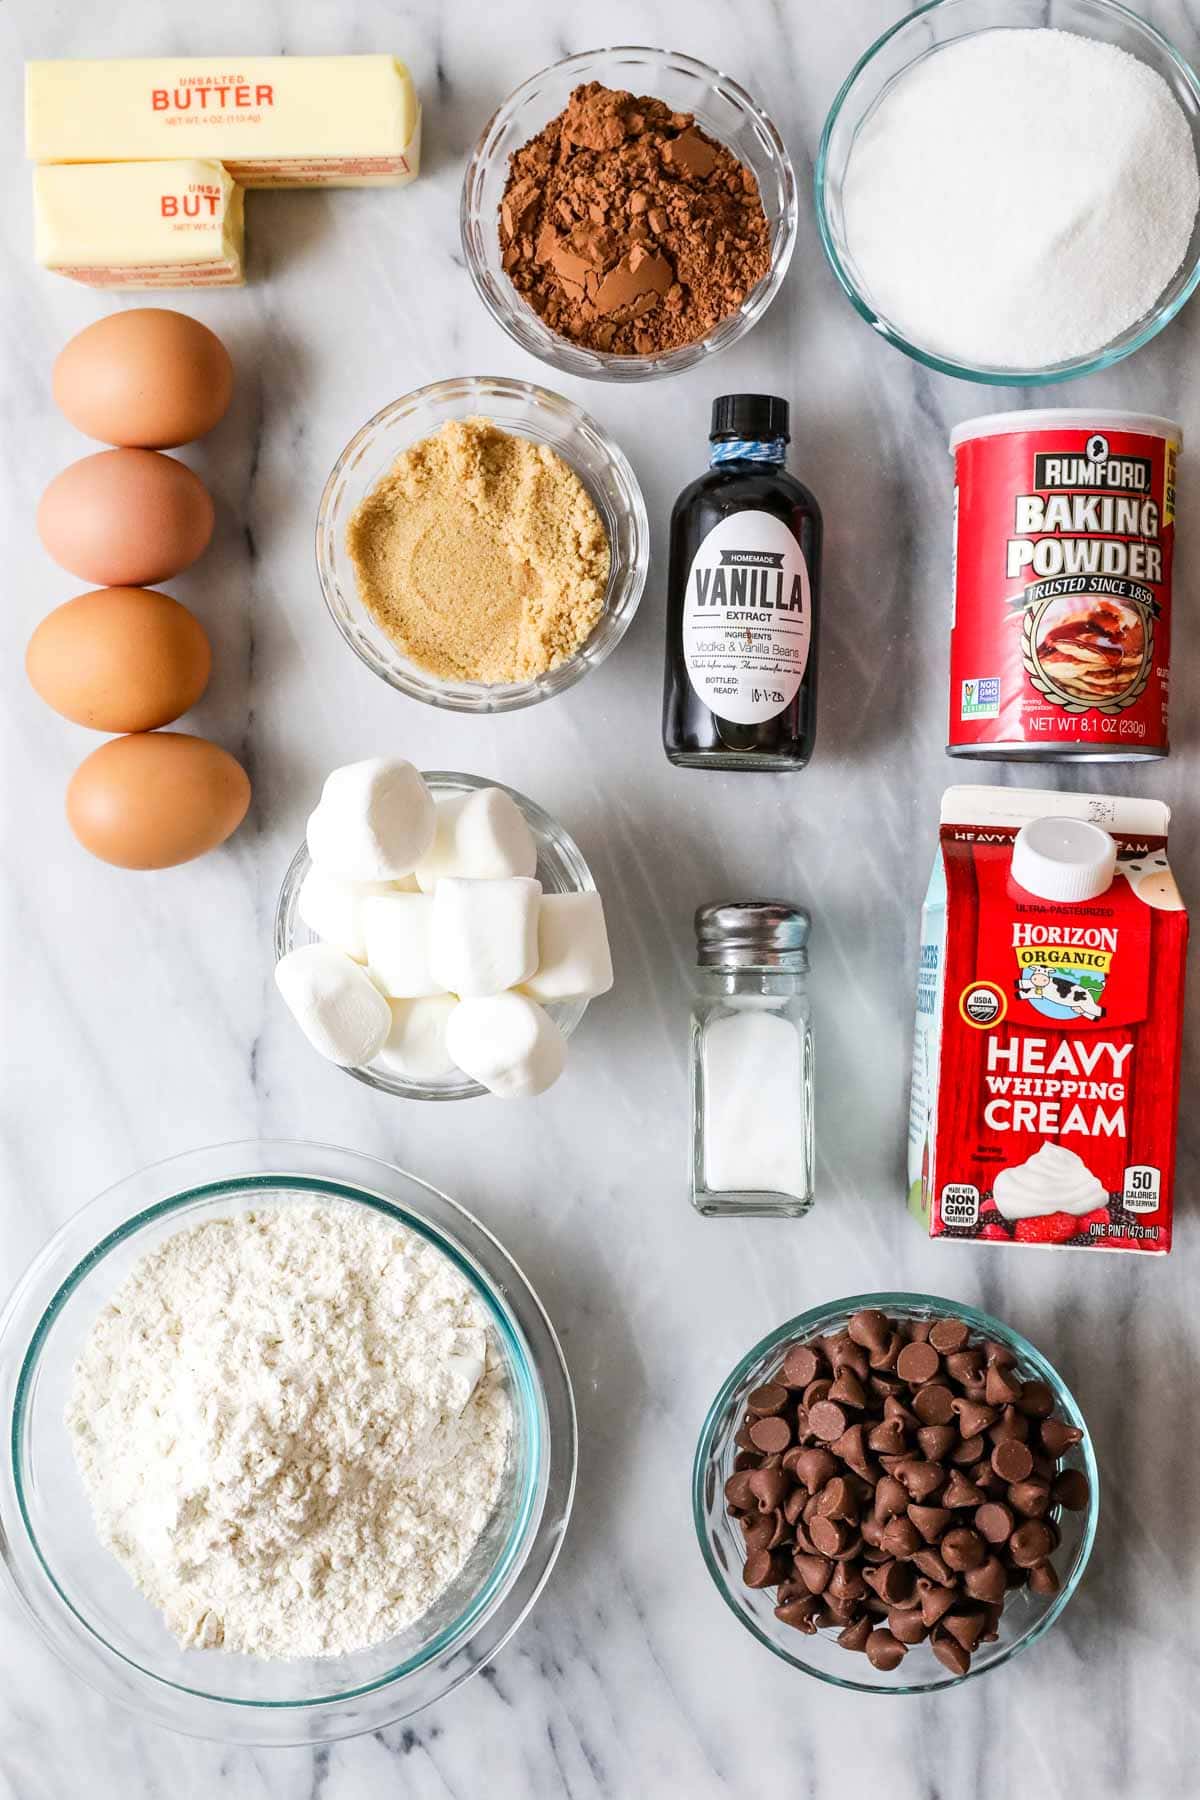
<point>139,225</point>
<point>274,121</point>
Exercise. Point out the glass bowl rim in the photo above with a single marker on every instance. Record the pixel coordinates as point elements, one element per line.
<point>439,781</point>
<point>601,365</point>
<point>1093,364</point>
<point>531,1399</point>
<point>626,582</point>
<point>803,1328</point>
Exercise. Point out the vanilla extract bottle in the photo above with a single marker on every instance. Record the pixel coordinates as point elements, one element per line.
<point>740,690</point>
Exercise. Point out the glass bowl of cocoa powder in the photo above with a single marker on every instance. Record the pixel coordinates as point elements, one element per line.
<point>654,250</point>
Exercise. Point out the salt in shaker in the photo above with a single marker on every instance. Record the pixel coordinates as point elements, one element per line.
<point>752,1061</point>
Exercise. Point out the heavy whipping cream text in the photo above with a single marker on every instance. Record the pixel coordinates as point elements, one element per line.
<point>1046,1057</point>
<point>1064,533</point>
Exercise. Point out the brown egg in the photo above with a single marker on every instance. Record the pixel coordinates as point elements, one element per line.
<point>123,518</point>
<point>120,659</point>
<point>156,799</point>
<point>149,377</point>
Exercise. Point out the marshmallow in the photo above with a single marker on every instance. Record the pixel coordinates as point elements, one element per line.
<point>574,960</point>
<point>482,834</point>
<point>416,1043</point>
<point>332,909</point>
<point>484,934</point>
<point>508,1044</point>
<point>396,928</point>
<point>374,822</point>
<point>335,1003</point>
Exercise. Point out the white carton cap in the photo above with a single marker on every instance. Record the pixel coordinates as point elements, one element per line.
<point>1066,860</point>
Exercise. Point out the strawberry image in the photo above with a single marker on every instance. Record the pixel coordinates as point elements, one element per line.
<point>994,1231</point>
<point>1051,1228</point>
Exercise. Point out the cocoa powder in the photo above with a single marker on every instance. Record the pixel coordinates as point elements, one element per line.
<point>628,229</point>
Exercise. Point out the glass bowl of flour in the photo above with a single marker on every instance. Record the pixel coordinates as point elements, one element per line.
<point>1014,200</point>
<point>293,1444</point>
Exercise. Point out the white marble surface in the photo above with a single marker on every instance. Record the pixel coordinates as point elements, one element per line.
<point>140,1017</point>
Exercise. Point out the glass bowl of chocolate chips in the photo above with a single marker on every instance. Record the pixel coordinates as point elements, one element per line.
<point>894,1493</point>
<point>627,213</point>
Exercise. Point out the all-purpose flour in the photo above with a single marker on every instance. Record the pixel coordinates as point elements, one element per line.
<point>1021,198</point>
<point>291,1429</point>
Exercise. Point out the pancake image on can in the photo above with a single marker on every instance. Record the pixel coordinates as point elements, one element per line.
<point>1089,652</point>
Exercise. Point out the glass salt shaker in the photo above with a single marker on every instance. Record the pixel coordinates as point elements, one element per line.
<point>752,1062</point>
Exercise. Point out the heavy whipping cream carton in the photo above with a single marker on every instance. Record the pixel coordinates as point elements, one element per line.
<point>1049,1019</point>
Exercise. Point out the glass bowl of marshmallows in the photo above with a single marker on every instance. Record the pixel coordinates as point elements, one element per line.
<point>438,936</point>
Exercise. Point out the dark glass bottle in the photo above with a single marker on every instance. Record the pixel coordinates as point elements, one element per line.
<point>743,600</point>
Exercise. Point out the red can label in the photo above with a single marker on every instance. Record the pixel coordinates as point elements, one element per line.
<point>1061,636</point>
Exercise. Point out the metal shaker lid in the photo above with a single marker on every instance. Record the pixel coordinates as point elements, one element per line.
<point>752,934</point>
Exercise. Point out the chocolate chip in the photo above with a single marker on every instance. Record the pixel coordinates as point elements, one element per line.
<point>1058,1437</point>
<point>950,1653</point>
<point>762,1569</point>
<point>1030,1543</point>
<point>800,1366</point>
<point>966,1626</point>
<point>930,1521</point>
<point>884,1357</point>
<point>770,1435</point>
<point>800,1613</point>
<point>963,1548</point>
<point>936,1441</point>
<point>884,1649</point>
<point>920,1478</point>
<point>994,1522</point>
<point>891,1497</point>
<point>812,1466</point>
<point>837,1500</point>
<point>739,1492</point>
<point>900,1537</point>
<point>965,1366</point>
<point>856,1634</point>
<point>986,1583</point>
<point>959,1491</point>
<point>1010,1425</point>
<point>829,1536</point>
<point>817,1390</point>
<point>973,1417</point>
<point>770,1398</point>
<point>918,1362</point>
<point>1036,1400</point>
<point>934,1404</point>
<point>934,1567</point>
<point>826,1420</point>
<point>888,1438</point>
<point>814,1571</point>
<point>892,1581</point>
<point>935,1600</point>
<point>969,1451</point>
<point>1030,1498</point>
<point>853,1451</point>
<point>1071,1489</point>
<point>769,1487</point>
<point>1012,1460</point>
<point>870,1328</point>
<point>894,1408</point>
<point>949,1335</point>
<point>1043,1579</point>
<point>907,1625</point>
<point>1001,1386</point>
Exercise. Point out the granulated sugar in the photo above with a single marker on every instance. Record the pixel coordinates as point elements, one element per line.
<point>291,1429</point>
<point>1021,198</point>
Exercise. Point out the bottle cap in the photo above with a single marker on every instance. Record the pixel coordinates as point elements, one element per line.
<point>752,934</point>
<point>1066,860</point>
<point>749,416</point>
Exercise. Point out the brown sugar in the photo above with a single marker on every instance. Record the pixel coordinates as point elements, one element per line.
<point>481,555</point>
<point>627,228</point>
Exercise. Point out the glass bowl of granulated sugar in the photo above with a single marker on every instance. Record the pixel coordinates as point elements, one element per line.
<point>293,1444</point>
<point>1014,203</point>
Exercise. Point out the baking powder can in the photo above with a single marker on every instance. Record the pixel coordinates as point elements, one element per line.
<point>1064,531</point>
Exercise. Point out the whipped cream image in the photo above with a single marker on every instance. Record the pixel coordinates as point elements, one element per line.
<point>1052,1180</point>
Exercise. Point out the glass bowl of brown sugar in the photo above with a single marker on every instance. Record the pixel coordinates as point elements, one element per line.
<point>519,410</point>
<point>721,109</point>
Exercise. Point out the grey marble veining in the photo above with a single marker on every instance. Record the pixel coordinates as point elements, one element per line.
<point>140,1017</point>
